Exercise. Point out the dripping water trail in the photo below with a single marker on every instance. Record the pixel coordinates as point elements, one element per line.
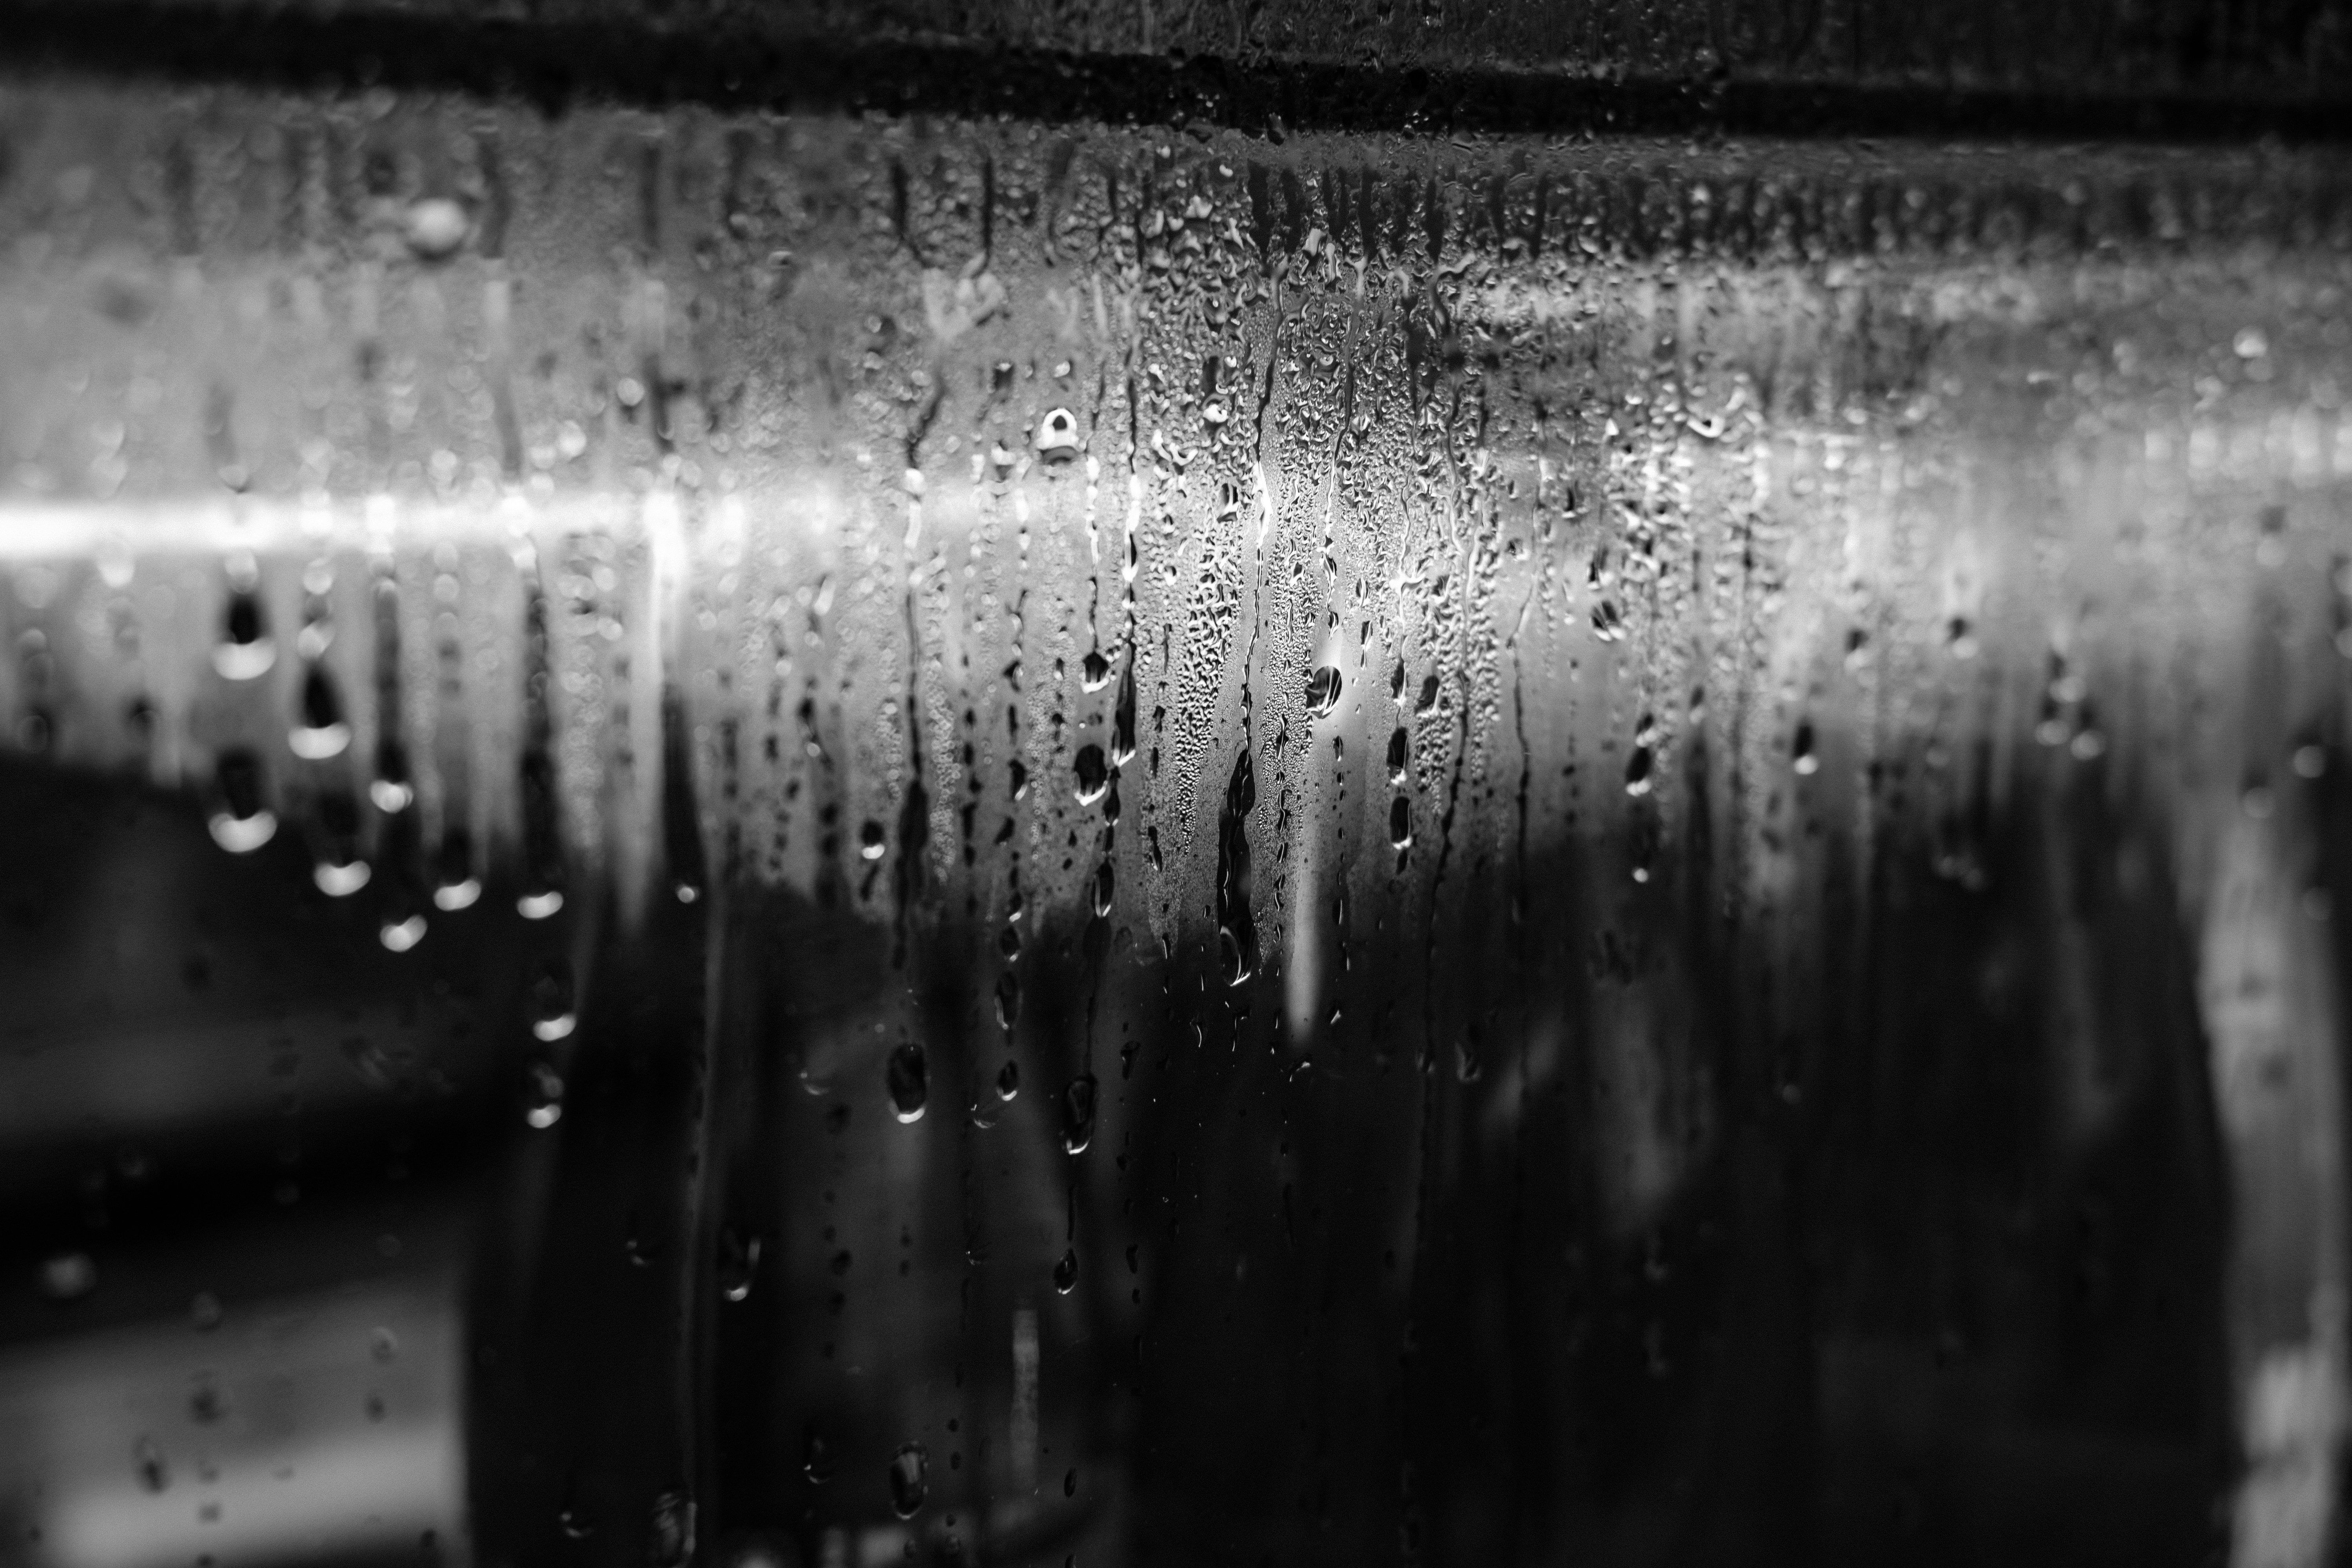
<point>1122,720</point>
<point>1522,972</point>
<point>1266,383</point>
<point>1522,979</point>
<point>543,847</point>
<point>392,789</point>
<point>1236,928</point>
<point>1008,980</point>
<point>692,971</point>
<point>899,224</point>
<point>908,875</point>
<point>1427,1132</point>
<point>627,1244</point>
<point>987,211</point>
<point>457,881</point>
<point>498,312</point>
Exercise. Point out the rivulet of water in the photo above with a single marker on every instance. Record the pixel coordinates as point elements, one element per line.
<point>915,838</point>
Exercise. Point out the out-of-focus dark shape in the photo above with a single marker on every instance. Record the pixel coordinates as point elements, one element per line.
<point>2192,70</point>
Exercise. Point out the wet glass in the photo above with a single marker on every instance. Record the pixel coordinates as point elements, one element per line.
<point>827,839</point>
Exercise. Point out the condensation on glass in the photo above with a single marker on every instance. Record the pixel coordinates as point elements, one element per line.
<point>916,839</point>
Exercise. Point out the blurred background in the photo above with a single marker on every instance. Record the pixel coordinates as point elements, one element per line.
<point>818,786</point>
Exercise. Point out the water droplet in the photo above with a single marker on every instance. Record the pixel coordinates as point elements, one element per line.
<point>673,1529</point>
<point>205,1311</point>
<point>574,1523</point>
<point>1057,436</point>
<point>816,1460</point>
<point>2310,762</point>
<point>399,936</point>
<point>1637,765</point>
<point>542,1104</point>
<point>435,227</point>
<point>1008,1080</point>
<point>1105,888</point>
<point>383,1344</point>
<point>1323,689</point>
<point>1122,729</point>
<point>909,1076</point>
<point>339,870</point>
<point>339,881</point>
<point>553,1017</point>
<point>1428,694</point>
<point>391,797</point>
<point>68,1276</point>
<point>1070,1484</point>
<point>322,733</point>
<point>870,841</point>
<point>242,826</point>
<point>739,1260</point>
<point>1637,771</point>
<point>244,651</point>
<point>539,906</point>
<point>451,896</point>
<point>1078,1114</point>
<point>1468,1066</point>
<point>909,1480</point>
<point>1401,822</point>
<point>1065,1272</point>
<point>116,564</point>
<point>1094,670</point>
<point>1094,774</point>
<point>1399,754</point>
<point>1802,751</point>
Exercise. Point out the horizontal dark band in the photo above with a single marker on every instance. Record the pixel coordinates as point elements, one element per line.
<point>734,63</point>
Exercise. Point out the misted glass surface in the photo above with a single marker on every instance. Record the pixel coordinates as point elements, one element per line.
<point>827,841</point>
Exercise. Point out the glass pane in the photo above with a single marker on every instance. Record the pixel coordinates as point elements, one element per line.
<point>814,838</point>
